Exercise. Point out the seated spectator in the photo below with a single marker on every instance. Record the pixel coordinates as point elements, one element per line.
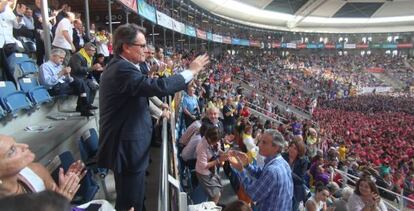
<point>82,68</point>
<point>366,197</point>
<point>19,174</point>
<point>208,159</point>
<point>318,201</point>
<point>99,59</point>
<point>58,81</point>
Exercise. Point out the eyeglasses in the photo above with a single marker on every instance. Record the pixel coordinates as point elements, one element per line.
<point>140,45</point>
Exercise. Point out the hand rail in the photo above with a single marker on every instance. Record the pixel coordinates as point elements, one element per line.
<point>163,184</point>
<point>260,109</point>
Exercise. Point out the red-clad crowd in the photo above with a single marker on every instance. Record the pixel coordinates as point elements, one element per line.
<point>374,134</point>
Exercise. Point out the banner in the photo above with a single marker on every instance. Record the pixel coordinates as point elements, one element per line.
<point>339,46</point>
<point>209,36</point>
<point>303,46</point>
<point>244,42</point>
<point>226,39</point>
<point>164,20</point>
<point>178,26</point>
<point>254,43</point>
<point>330,46</point>
<point>362,46</point>
<point>131,4</point>
<point>201,34</point>
<point>190,31</point>
<point>276,45</point>
<point>374,45</point>
<point>217,38</point>
<point>235,41</point>
<point>405,45</point>
<point>389,45</point>
<point>349,46</point>
<point>147,11</point>
<point>377,89</point>
<point>376,70</point>
<point>291,45</point>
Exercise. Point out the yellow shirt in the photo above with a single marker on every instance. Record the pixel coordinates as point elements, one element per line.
<point>342,153</point>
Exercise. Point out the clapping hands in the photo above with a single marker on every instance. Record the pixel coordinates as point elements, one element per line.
<point>237,159</point>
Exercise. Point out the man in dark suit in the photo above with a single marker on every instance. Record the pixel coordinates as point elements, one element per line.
<point>125,121</point>
<point>81,64</point>
<point>79,35</point>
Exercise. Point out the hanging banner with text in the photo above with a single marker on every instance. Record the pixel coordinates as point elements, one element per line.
<point>147,11</point>
<point>209,36</point>
<point>226,39</point>
<point>201,34</point>
<point>217,38</point>
<point>178,26</point>
<point>190,31</point>
<point>164,20</point>
<point>131,4</point>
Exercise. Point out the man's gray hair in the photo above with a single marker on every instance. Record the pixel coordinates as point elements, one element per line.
<point>277,138</point>
<point>125,34</point>
<point>151,47</point>
<point>89,45</point>
<point>58,52</point>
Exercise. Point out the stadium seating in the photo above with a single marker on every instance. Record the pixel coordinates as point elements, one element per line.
<point>11,99</point>
<point>88,187</point>
<point>20,65</point>
<point>88,147</point>
<point>36,93</point>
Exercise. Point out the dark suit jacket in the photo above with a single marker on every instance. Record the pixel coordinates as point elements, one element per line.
<point>144,68</point>
<point>125,121</point>
<point>79,66</point>
<point>76,39</point>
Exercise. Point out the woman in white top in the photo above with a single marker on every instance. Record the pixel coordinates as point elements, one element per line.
<point>19,174</point>
<point>365,197</point>
<point>318,201</point>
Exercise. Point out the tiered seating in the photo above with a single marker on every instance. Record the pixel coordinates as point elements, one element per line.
<point>36,93</point>
<point>20,65</point>
<point>12,99</point>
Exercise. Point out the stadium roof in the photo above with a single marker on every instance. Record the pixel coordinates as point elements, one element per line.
<point>335,16</point>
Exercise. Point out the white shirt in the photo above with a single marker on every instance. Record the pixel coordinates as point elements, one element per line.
<point>8,21</point>
<point>355,203</point>
<point>60,41</point>
<point>189,151</point>
<point>102,46</point>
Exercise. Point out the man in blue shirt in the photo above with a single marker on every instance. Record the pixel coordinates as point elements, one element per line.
<point>58,81</point>
<point>271,186</point>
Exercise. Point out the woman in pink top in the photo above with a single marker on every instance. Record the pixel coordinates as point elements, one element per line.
<point>209,157</point>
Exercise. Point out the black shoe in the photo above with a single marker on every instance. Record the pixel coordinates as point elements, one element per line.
<point>91,107</point>
<point>86,113</point>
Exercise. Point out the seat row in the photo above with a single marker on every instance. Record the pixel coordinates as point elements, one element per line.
<point>25,92</point>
